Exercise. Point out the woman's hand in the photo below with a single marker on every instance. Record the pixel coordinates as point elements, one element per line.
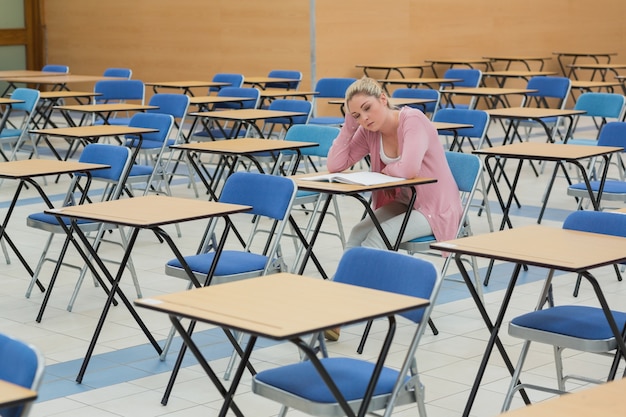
<point>350,124</point>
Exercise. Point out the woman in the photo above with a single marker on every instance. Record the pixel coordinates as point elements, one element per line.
<point>401,143</point>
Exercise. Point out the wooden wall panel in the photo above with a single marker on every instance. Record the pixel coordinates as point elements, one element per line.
<point>162,39</point>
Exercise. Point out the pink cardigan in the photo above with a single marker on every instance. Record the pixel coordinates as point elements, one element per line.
<point>421,155</point>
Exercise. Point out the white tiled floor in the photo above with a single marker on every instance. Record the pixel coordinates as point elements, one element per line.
<point>126,378</point>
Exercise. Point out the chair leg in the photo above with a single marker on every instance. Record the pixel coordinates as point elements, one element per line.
<point>558,362</point>
<point>37,270</point>
<point>513,386</point>
<point>233,358</point>
<point>170,336</point>
<point>5,252</point>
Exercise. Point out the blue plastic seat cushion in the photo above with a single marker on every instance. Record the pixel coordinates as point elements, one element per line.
<point>616,187</point>
<point>350,375</point>
<point>582,322</point>
<point>230,262</point>
<point>50,219</point>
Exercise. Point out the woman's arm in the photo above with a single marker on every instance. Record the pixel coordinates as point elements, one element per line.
<point>349,147</point>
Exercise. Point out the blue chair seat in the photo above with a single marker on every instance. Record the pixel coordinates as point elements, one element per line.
<point>612,187</point>
<point>10,133</point>
<point>230,262</point>
<point>138,170</point>
<point>581,322</point>
<point>50,219</point>
<point>424,239</point>
<point>350,375</point>
<point>327,120</point>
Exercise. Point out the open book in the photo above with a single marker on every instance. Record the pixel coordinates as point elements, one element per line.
<point>357,177</point>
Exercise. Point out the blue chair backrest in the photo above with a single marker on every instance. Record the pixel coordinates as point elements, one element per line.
<point>20,364</point>
<point>30,97</point>
<point>604,222</point>
<point>162,122</point>
<point>551,87</point>
<point>322,135</point>
<point>234,80</point>
<point>175,105</point>
<point>56,68</point>
<point>253,93</point>
<point>469,77</point>
<point>293,85</point>
<point>119,90</point>
<point>613,134</point>
<point>299,106</point>
<point>465,169</point>
<point>388,271</point>
<point>118,72</point>
<point>426,93</point>
<point>269,195</point>
<point>117,157</point>
<point>606,105</point>
<point>333,87</point>
<point>479,119</point>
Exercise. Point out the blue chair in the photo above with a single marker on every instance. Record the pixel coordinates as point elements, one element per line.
<point>233,80</point>
<point>16,130</point>
<point>56,68</point>
<point>426,93</point>
<point>271,198</point>
<point>328,89</point>
<point>475,135</point>
<point>119,91</point>
<point>612,134</point>
<point>284,123</point>
<point>228,130</point>
<point>301,387</point>
<point>469,78</point>
<point>296,76</point>
<point>579,327</point>
<point>21,364</point>
<point>118,73</point>
<point>603,106</point>
<point>119,159</point>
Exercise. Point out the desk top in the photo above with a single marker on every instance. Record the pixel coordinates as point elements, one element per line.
<point>547,151</point>
<point>419,80</point>
<point>56,94</point>
<point>451,126</point>
<point>531,112</point>
<point>518,73</point>
<point>244,146</point>
<point>601,400</point>
<point>39,167</point>
<point>149,211</point>
<point>393,66</point>
<point>203,100</point>
<point>591,54</point>
<point>246,114</point>
<point>28,73</point>
<point>594,84</point>
<point>397,101</point>
<point>341,188</point>
<point>60,79</point>
<point>265,79</point>
<point>487,91</point>
<point>93,131</point>
<point>106,107</point>
<point>186,84</point>
<point>279,92</point>
<point>597,66</point>
<point>7,100</point>
<point>518,58</point>
<point>542,246</point>
<point>12,394</point>
<point>459,61</point>
<point>282,306</point>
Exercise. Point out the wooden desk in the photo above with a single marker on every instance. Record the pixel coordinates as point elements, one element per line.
<point>558,153</point>
<point>234,150</point>
<point>26,171</point>
<point>13,394</point>
<point>541,246</point>
<point>91,134</point>
<point>445,127</point>
<point>393,67</point>
<point>416,82</point>
<point>257,306</point>
<point>261,81</point>
<point>203,102</point>
<point>470,63</point>
<point>138,213</point>
<point>502,76</point>
<point>496,94</point>
<point>601,69</point>
<point>331,189</point>
<point>269,94</point>
<point>102,110</point>
<point>522,59</point>
<point>593,56</point>
<point>59,81</point>
<point>28,73</point>
<point>186,86</point>
<point>245,118</point>
<point>605,400</point>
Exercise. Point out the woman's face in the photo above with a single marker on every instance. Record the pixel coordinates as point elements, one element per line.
<point>371,112</point>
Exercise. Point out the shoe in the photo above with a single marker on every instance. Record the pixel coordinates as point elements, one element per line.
<point>332,334</point>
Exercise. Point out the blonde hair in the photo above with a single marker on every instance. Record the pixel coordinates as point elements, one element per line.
<point>366,86</point>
